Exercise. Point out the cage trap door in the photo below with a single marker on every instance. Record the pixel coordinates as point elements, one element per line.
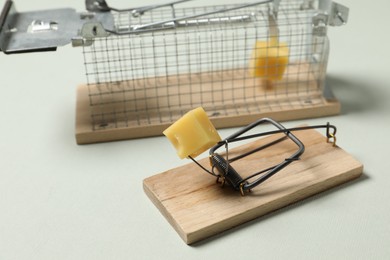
<point>138,84</point>
<point>198,208</point>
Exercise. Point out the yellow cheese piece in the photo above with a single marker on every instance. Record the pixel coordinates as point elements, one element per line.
<point>269,60</point>
<point>192,134</point>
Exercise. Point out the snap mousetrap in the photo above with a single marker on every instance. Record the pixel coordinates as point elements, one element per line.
<point>146,66</point>
<point>261,176</point>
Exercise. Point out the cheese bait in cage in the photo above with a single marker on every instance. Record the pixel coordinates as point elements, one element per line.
<point>269,59</point>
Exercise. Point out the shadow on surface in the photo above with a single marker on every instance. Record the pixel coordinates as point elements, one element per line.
<point>355,95</point>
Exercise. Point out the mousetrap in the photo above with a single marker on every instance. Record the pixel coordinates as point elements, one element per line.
<point>146,66</point>
<point>197,208</point>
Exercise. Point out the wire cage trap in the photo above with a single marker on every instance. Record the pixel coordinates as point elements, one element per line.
<point>145,67</point>
<point>158,65</point>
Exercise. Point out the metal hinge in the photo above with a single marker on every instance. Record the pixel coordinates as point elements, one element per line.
<point>48,29</point>
<point>338,14</point>
<point>330,13</point>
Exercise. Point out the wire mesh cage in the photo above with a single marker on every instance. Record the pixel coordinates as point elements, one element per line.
<point>239,62</point>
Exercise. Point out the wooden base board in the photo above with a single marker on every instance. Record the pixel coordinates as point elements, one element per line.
<point>232,97</point>
<point>198,208</point>
<point>227,116</point>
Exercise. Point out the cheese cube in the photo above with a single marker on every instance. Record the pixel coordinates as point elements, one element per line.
<point>192,134</point>
<point>269,60</point>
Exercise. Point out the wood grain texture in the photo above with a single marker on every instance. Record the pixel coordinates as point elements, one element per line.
<point>198,208</point>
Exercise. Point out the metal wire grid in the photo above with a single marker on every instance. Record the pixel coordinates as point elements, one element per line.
<point>155,77</point>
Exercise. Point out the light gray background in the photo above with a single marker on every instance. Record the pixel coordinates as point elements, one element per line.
<point>59,200</point>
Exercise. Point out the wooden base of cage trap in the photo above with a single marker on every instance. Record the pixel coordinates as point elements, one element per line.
<point>118,119</point>
<point>197,207</point>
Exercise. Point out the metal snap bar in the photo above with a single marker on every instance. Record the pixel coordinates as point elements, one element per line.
<point>225,172</point>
